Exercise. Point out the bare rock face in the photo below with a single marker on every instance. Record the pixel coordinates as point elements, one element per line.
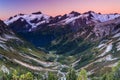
<point>3,28</point>
<point>107,28</point>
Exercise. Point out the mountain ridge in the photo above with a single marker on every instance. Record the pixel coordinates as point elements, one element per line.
<point>48,28</point>
<point>36,20</point>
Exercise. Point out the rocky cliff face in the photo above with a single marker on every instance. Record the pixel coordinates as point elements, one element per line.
<point>3,28</point>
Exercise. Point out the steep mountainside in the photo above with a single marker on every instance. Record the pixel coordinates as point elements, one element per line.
<point>15,51</point>
<point>89,40</point>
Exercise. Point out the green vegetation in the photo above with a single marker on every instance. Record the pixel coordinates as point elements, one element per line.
<point>71,75</point>
<point>52,76</point>
<point>63,51</point>
<point>82,75</point>
<point>16,76</point>
<point>114,74</point>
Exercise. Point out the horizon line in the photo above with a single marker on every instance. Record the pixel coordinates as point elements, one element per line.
<point>42,12</point>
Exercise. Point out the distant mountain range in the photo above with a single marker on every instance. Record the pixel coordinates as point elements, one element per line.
<point>89,40</point>
<point>38,20</point>
<point>46,28</point>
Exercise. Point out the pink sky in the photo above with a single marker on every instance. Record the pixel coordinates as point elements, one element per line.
<point>56,7</point>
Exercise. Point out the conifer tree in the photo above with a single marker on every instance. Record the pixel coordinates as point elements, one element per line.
<point>52,76</point>
<point>71,74</point>
<point>82,75</point>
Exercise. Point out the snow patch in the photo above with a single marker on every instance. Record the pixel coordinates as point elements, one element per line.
<point>3,39</point>
<point>117,35</point>
<point>118,46</point>
<point>101,45</point>
<point>108,49</point>
<point>4,46</point>
<point>109,58</point>
<point>42,22</point>
<point>5,69</point>
<point>10,36</point>
<point>68,20</point>
<point>104,17</point>
<point>28,19</point>
<point>106,58</point>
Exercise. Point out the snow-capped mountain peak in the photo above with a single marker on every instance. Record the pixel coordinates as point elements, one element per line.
<point>73,14</point>
<point>104,17</point>
<point>88,17</point>
<point>35,20</point>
